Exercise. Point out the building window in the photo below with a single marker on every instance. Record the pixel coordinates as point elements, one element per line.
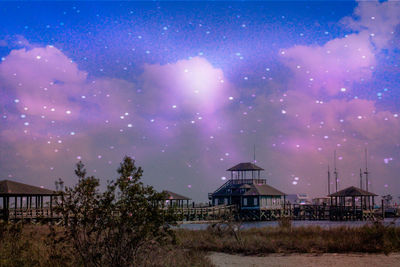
<point>245,201</point>
<point>255,201</point>
<point>263,202</point>
<point>226,201</point>
<point>215,201</point>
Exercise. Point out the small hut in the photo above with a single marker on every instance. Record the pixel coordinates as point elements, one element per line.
<point>175,199</point>
<point>22,200</point>
<point>355,197</point>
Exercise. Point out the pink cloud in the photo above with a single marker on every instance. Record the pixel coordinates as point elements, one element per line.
<point>192,86</point>
<point>325,70</point>
<point>378,19</point>
<point>43,81</point>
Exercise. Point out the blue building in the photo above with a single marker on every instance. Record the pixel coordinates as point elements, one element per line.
<point>248,191</point>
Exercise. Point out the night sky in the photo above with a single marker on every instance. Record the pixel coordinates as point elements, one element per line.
<point>188,89</point>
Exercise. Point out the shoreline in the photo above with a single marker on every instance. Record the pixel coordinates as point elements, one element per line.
<point>306,259</point>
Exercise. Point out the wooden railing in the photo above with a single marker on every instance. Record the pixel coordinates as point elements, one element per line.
<point>249,181</point>
<point>206,213</point>
<point>28,213</point>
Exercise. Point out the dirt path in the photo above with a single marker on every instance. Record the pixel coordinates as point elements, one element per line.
<point>305,260</point>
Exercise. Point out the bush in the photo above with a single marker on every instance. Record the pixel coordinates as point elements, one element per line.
<point>115,227</point>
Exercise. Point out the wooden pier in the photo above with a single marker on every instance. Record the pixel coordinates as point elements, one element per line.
<point>29,203</point>
<point>223,212</point>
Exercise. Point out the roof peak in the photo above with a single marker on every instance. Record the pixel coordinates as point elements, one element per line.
<point>245,166</point>
<point>8,187</point>
<point>352,191</point>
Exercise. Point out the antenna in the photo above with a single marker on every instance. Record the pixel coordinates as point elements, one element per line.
<point>335,172</point>
<point>254,154</point>
<point>329,181</point>
<point>360,178</point>
<point>366,169</point>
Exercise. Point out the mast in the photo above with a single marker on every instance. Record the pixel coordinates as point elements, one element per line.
<point>335,172</point>
<point>329,181</point>
<point>360,178</point>
<point>366,170</point>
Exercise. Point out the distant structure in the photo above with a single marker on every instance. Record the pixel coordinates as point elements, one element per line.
<point>300,199</point>
<point>353,197</point>
<point>248,191</point>
<point>174,199</point>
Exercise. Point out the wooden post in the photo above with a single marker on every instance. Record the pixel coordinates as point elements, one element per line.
<point>6,208</point>
<point>51,206</point>
<point>284,203</point>
<point>30,206</point>
<point>383,210</point>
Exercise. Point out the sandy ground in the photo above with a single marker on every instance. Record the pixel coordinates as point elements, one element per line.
<point>303,260</point>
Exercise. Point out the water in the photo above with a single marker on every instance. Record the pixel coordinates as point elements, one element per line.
<point>323,224</point>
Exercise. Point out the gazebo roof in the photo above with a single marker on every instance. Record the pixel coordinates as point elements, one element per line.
<point>11,188</point>
<point>175,196</point>
<point>352,191</point>
<point>245,166</point>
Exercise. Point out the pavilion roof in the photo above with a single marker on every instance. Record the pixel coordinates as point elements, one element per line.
<point>245,166</point>
<point>263,190</point>
<point>352,191</point>
<point>175,196</point>
<point>249,190</point>
<point>11,188</point>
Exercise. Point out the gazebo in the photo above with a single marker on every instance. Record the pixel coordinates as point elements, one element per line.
<point>365,199</point>
<point>23,198</point>
<point>175,199</point>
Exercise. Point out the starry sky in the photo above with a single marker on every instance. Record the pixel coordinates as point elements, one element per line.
<point>189,88</point>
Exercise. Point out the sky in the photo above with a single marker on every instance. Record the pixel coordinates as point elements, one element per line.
<point>189,88</point>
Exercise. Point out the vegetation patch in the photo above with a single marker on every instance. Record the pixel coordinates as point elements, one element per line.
<point>375,238</point>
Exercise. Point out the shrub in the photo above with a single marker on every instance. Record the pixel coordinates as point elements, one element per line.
<point>115,227</point>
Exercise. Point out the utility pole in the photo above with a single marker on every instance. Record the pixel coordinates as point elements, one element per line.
<point>361,187</point>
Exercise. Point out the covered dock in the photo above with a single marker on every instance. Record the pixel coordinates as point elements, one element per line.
<point>352,202</point>
<point>175,199</point>
<point>22,201</point>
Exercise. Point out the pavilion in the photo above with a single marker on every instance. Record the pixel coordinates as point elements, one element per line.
<point>351,196</point>
<point>175,199</point>
<point>24,197</point>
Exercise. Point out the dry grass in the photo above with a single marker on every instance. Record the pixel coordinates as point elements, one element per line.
<point>36,245</point>
<point>368,239</point>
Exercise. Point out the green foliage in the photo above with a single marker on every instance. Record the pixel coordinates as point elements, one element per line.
<point>115,227</point>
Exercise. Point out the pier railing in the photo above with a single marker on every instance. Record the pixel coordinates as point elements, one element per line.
<point>29,214</point>
<point>249,181</point>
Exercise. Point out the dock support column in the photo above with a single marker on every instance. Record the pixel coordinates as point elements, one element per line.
<point>51,206</point>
